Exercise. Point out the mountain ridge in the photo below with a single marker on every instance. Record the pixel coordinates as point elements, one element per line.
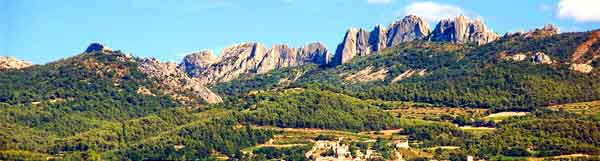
<point>247,58</point>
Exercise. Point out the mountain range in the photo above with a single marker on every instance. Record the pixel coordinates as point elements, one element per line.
<point>378,91</point>
<point>202,69</point>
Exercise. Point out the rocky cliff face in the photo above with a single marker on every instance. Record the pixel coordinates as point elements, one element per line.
<point>12,63</point>
<point>408,29</point>
<point>461,30</point>
<point>356,43</point>
<point>360,42</point>
<point>172,80</point>
<point>247,58</point>
<point>199,61</point>
<point>315,53</point>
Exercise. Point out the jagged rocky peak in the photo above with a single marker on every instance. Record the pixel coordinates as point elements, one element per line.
<point>360,42</point>
<point>173,80</point>
<point>251,58</point>
<point>551,28</point>
<point>248,50</point>
<point>409,28</point>
<point>547,30</point>
<point>203,57</point>
<point>356,43</point>
<point>13,63</point>
<point>197,61</point>
<point>462,30</point>
<point>279,56</point>
<point>347,49</point>
<point>378,38</point>
<point>315,52</point>
<point>97,47</point>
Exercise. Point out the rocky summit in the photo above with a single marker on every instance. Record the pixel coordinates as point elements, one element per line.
<point>408,29</point>
<point>360,42</point>
<point>461,30</point>
<point>12,63</point>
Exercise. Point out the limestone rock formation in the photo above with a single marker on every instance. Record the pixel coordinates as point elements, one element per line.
<point>516,57</point>
<point>585,52</point>
<point>316,53</point>
<point>279,56</point>
<point>378,38</point>
<point>541,58</point>
<point>461,30</point>
<point>173,81</point>
<point>251,58</point>
<point>408,29</point>
<point>547,30</point>
<point>233,62</point>
<point>367,75</point>
<point>347,49</point>
<point>198,61</point>
<point>12,63</point>
<point>254,58</point>
<point>583,68</point>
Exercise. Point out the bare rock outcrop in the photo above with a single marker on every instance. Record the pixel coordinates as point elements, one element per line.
<point>315,52</point>
<point>13,63</point>
<point>279,56</point>
<point>367,75</point>
<point>198,61</point>
<point>378,38</point>
<point>547,30</point>
<point>404,75</point>
<point>515,57</point>
<point>459,30</point>
<point>541,58</point>
<point>356,43</point>
<point>585,53</point>
<point>408,29</point>
<point>173,81</point>
<point>254,58</point>
<point>462,30</point>
<point>582,68</point>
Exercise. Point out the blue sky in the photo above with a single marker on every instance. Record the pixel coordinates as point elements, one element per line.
<point>42,31</point>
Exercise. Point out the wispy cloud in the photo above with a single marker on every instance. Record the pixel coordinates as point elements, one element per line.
<point>580,10</point>
<point>432,11</point>
<point>379,1</point>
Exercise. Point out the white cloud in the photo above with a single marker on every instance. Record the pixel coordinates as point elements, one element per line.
<point>580,10</point>
<point>432,11</point>
<point>379,1</point>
